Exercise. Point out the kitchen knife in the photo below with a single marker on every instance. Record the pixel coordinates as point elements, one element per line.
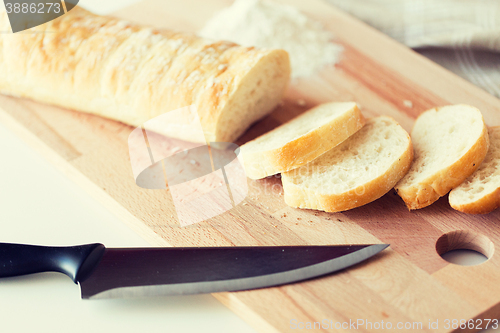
<point>127,272</point>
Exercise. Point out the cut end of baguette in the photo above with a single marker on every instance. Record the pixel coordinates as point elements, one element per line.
<point>358,171</point>
<point>300,140</point>
<point>450,143</point>
<point>480,193</point>
<point>258,93</point>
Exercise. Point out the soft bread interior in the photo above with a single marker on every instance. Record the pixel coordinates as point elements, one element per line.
<point>441,136</point>
<point>485,180</point>
<point>300,140</point>
<point>303,124</point>
<point>362,158</point>
<point>260,91</point>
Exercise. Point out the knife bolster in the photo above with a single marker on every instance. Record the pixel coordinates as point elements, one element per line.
<point>90,258</point>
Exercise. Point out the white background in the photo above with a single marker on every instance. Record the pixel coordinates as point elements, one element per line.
<point>38,205</point>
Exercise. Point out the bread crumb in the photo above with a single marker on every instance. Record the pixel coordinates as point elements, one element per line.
<point>408,103</point>
<point>298,218</point>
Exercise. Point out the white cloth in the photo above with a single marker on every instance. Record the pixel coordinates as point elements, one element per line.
<point>461,35</point>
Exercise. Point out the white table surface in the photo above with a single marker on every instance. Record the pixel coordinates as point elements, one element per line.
<point>38,205</point>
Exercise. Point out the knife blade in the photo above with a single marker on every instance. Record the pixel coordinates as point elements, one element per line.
<point>130,272</point>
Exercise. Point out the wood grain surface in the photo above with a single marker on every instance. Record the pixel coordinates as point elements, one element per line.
<point>407,283</point>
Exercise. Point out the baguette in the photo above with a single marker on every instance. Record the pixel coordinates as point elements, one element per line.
<point>450,143</point>
<point>300,140</point>
<point>131,73</point>
<point>480,193</point>
<point>358,171</point>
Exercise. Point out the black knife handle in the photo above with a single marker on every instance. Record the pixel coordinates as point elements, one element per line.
<point>77,262</point>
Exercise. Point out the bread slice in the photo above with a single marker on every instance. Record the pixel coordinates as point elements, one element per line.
<point>450,143</point>
<point>480,193</point>
<point>358,171</point>
<point>300,140</point>
<point>133,73</point>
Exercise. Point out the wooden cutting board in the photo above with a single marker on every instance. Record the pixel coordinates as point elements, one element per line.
<point>408,283</point>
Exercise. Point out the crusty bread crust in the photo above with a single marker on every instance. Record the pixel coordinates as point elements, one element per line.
<point>428,191</point>
<point>131,73</point>
<point>299,196</point>
<point>303,149</point>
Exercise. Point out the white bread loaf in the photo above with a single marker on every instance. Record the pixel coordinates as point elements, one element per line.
<point>450,143</point>
<point>358,171</point>
<point>131,73</point>
<point>300,140</point>
<point>480,193</point>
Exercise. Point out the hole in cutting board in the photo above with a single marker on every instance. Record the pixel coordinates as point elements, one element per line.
<point>464,257</point>
<point>464,247</point>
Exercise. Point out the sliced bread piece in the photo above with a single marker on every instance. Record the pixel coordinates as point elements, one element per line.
<point>360,170</point>
<point>300,140</point>
<point>450,143</point>
<point>480,193</point>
